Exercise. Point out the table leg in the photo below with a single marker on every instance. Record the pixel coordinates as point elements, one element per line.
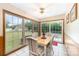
<point>45,50</point>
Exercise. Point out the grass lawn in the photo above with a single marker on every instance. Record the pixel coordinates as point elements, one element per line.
<point>13,40</point>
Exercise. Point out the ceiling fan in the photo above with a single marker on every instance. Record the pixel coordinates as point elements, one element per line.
<point>42,10</point>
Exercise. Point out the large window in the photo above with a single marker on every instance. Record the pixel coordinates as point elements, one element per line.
<point>9,34</point>
<point>16,29</point>
<point>27,27</point>
<point>13,32</point>
<point>35,27</point>
<point>55,28</point>
<point>45,27</point>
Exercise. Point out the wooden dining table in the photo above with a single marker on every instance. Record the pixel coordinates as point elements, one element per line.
<point>44,42</point>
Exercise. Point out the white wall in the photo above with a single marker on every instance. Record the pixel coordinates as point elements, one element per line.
<point>72,29</point>
<point>56,17</point>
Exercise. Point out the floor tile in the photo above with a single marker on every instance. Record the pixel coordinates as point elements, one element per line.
<point>59,50</point>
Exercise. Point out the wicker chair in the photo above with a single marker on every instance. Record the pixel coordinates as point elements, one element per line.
<point>51,48</point>
<point>34,49</point>
<point>25,39</point>
<point>35,35</point>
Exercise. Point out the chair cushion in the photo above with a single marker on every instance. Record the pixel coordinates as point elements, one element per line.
<point>55,43</point>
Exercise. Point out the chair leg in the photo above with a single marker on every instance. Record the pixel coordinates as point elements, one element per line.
<point>52,52</point>
<point>29,53</point>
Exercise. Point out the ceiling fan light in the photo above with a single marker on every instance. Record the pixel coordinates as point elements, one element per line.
<point>41,8</point>
<point>41,12</point>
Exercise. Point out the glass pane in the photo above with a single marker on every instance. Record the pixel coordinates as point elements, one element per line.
<point>15,31</point>
<point>45,27</point>
<point>20,31</point>
<point>13,35</point>
<point>27,27</point>
<point>8,34</point>
<point>35,28</point>
<point>56,30</point>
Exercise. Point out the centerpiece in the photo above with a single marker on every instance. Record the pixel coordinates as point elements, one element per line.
<point>43,36</point>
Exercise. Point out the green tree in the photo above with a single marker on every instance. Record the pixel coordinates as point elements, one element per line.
<point>7,24</point>
<point>28,25</point>
<point>45,27</point>
<point>56,28</point>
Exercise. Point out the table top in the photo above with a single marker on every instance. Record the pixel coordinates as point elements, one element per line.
<point>43,42</point>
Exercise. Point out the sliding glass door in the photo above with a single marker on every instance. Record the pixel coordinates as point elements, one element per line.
<point>13,32</point>
<point>16,29</point>
<point>27,27</point>
<point>8,33</point>
<point>56,28</point>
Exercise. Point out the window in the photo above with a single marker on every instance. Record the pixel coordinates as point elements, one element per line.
<point>13,32</point>
<point>16,28</point>
<point>45,27</point>
<point>9,34</point>
<point>55,28</point>
<point>27,27</point>
<point>17,31</point>
<point>36,27</point>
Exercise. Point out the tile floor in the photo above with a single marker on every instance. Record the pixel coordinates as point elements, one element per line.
<point>58,51</point>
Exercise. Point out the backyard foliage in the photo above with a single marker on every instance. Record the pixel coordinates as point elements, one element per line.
<point>55,27</point>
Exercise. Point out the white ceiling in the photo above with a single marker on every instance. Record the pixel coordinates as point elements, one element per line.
<point>33,9</point>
